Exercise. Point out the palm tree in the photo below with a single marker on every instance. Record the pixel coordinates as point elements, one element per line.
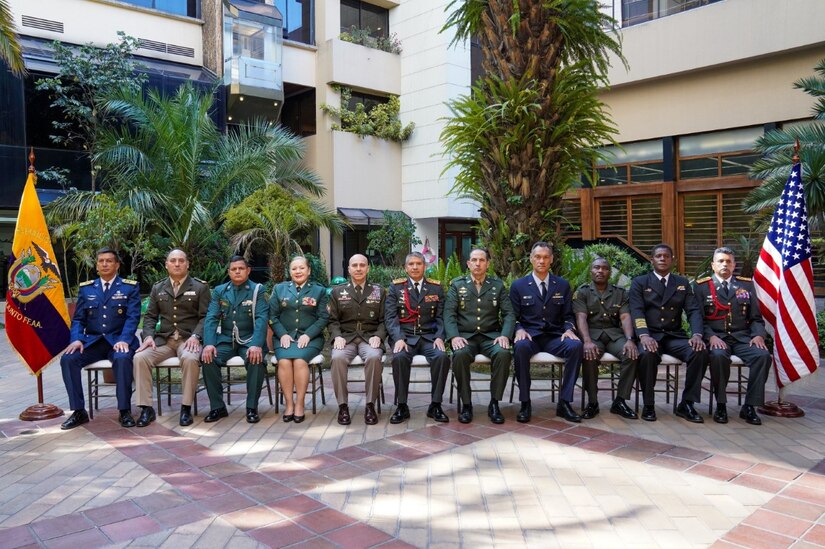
<point>777,146</point>
<point>10,51</point>
<point>532,125</point>
<point>276,221</point>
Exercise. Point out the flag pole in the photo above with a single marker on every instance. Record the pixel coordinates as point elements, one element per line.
<point>39,411</point>
<point>779,407</point>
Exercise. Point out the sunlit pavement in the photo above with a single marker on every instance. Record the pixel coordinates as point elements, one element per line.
<point>607,482</point>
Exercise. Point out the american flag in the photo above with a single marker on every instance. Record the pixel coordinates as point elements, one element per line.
<point>785,286</point>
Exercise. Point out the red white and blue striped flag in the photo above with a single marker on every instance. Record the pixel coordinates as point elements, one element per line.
<point>784,283</point>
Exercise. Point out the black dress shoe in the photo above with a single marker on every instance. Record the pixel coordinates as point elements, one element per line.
<point>525,412</point>
<point>435,412</point>
<point>78,418</point>
<point>185,415</point>
<point>494,413</point>
<point>401,413</point>
<point>147,416</point>
<point>252,415</point>
<point>126,419</point>
<point>466,415</point>
<point>721,414</point>
<point>591,410</point>
<point>649,412</point>
<point>621,408</point>
<point>748,413</point>
<point>686,410</point>
<point>370,417</point>
<point>299,419</point>
<point>564,410</point>
<point>288,417</point>
<point>215,415</point>
<point>343,415</point>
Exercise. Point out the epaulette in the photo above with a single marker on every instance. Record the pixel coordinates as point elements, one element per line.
<point>85,283</point>
<point>399,280</point>
<point>702,280</point>
<point>744,278</point>
<point>127,281</point>
<point>436,282</point>
<point>201,281</point>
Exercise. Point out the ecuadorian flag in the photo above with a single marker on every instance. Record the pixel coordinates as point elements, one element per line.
<point>37,322</point>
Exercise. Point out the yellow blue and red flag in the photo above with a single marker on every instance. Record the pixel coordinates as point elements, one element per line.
<point>37,322</point>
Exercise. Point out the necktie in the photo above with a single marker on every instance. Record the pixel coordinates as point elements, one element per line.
<point>106,289</point>
<point>543,289</point>
<point>176,288</point>
<point>358,293</point>
<point>417,289</point>
<point>725,288</point>
<point>297,289</point>
<point>664,282</point>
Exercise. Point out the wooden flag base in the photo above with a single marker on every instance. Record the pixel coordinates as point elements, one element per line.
<point>780,408</point>
<point>41,411</point>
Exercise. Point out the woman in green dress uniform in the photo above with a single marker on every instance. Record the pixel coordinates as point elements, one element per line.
<point>298,314</point>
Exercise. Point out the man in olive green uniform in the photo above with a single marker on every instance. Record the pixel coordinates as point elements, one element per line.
<point>414,317</point>
<point>356,326</point>
<point>235,325</point>
<point>733,325</point>
<point>479,319</point>
<point>178,303</point>
<point>603,317</point>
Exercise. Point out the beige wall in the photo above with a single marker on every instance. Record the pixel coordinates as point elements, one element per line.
<point>359,67</point>
<point>299,64</point>
<point>731,96</point>
<point>725,32</point>
<point>367,172</point>
<point>98,21</point>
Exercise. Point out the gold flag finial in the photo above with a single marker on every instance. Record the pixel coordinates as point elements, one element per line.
<point>795,157</point>
<point>31,161</point>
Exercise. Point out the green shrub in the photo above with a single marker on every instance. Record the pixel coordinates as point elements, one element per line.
<point>384,276</point>
<point>575,264</point>
<point>390,44</point>
<point>381,121</point>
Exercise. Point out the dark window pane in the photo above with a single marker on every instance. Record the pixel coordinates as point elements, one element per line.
<point>738,163</point>
<point>376,19</point>
<point>297,16</point>
<point>350,15</point>
<point>699,167</point>
<point>298,113</point>
<point>611,175</point>
<point>646,173</point>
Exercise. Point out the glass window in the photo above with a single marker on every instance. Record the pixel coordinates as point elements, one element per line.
<point>639,162</point>
<point>369,101</point>
<point>718,154</point>
<point>189,8</point>
<point>298,113</point>
<point>298,19</point>
<point>363,15</point>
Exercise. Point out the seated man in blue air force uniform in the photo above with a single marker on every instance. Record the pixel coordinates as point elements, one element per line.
<point>235,325</point>
<point>543,305</point>
<point>103,327</point>
<point>733,325</point>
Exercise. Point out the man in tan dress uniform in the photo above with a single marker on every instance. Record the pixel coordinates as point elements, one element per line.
<point>172,326</point>
<point>356,326</point>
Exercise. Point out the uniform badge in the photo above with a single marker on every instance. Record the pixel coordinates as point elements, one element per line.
<point>190,292</point>
<point>462,291</point>
<point>120,311</point>
<point>430,298</point>
<point>742,293</point>
<point>681,288</point>
<point>246,303</point>
<point>284,303</point>
<point>309,301</point>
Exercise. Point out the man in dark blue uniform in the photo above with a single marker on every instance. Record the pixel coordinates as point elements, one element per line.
<point>543,305</point>
<point>657,300</point>
<point>414,317</point>
<point>103,327</point>
<point>733,325</point>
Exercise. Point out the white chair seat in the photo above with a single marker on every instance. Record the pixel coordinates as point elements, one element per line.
<point>607,357</point>
<point>358,361</point>
<point>173,362</point>
<point>481,359</point>
<point>736,361</point>
<point>672,360</point>
<point>545,358</point>
<point>319,359</point>
<point>99,365</point>
<point>235,361</point>
<point>420,360</point>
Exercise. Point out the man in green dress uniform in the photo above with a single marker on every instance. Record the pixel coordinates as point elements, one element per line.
<point>603,317</point>
<point>235,325</point>
<point>479,319</point>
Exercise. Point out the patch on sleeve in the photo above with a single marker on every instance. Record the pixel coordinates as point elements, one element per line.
<point>641,323</point>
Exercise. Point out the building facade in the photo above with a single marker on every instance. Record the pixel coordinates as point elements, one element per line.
<point>705,78</point>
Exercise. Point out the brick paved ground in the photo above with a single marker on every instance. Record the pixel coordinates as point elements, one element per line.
<point>605,483</point>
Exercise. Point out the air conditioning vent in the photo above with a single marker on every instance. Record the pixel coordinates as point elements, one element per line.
<point>163,47</point>
<point>42,24</point>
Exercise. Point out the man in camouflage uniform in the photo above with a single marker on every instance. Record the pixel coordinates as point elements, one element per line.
<point>733,325</point>
<point>235,325</point>
<point>479,319</point>
<point>356,326</point>
<point>172,326</point>
<point>603,317</point>
<point>414,317</point>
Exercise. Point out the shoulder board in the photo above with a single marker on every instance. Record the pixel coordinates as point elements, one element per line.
<point>205,283</point>
<point>85,283</point>
<point>744,278</point>
<point>128,281</point>
<point>399,280</point>
<point>702,280</point>
<point>431,281</point>
<point>584,286</point>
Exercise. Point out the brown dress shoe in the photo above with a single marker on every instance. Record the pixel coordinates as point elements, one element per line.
<point>370,417</point>
<point>343,415</point>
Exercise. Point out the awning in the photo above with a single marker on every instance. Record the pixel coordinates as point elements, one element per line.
<point>38,55</point>
<point>366,216</point>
